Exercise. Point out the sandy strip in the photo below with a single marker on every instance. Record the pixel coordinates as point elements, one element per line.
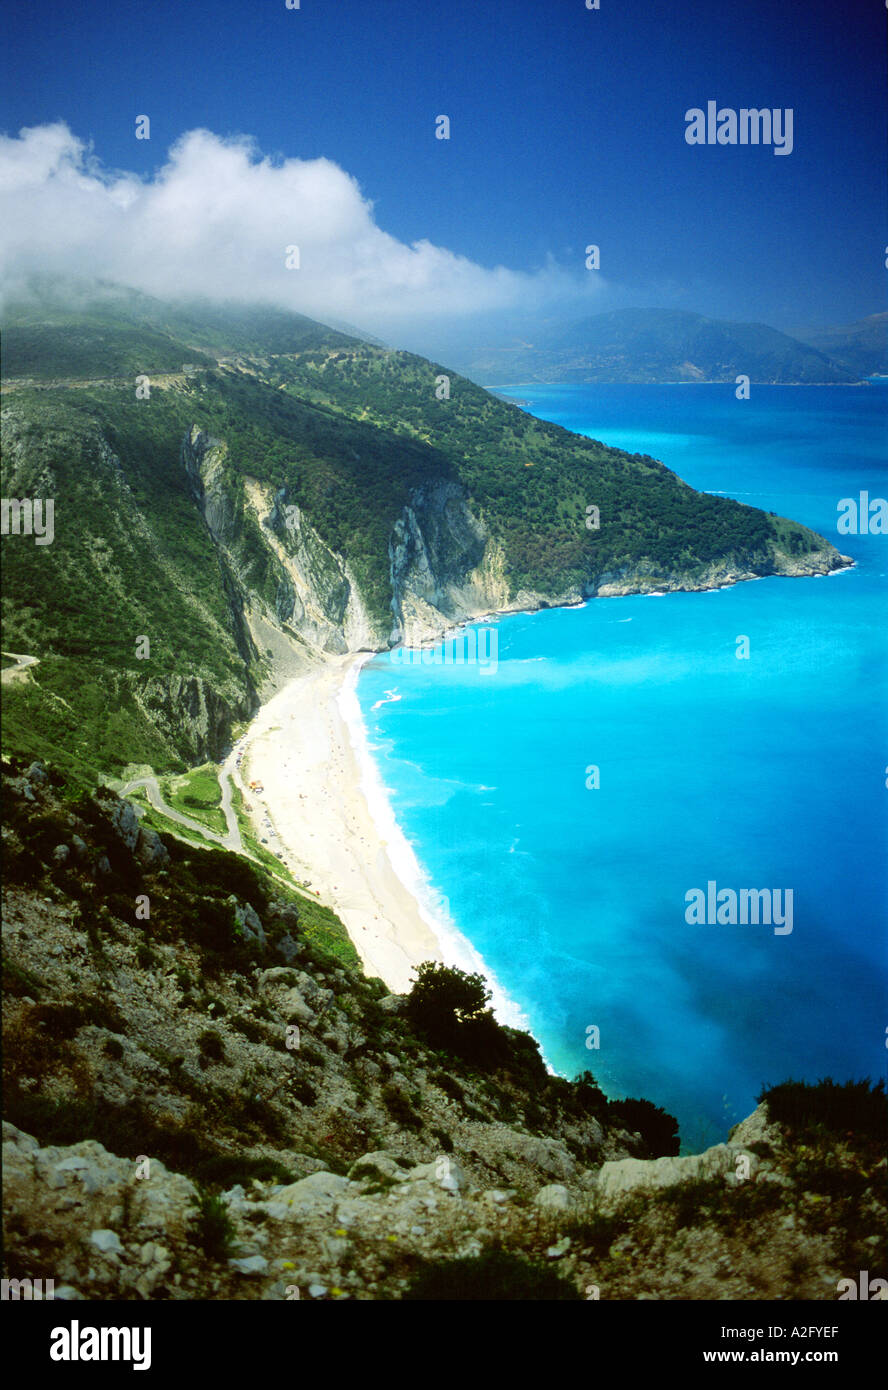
<point>313,809</point>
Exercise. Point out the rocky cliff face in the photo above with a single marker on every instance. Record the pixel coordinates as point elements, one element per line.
<point>292,592</point>
<point>445,567</point>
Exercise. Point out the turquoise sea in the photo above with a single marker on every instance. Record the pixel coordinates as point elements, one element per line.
<point>761,773</point>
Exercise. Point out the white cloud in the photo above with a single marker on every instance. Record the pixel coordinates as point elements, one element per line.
<point>216,220</point>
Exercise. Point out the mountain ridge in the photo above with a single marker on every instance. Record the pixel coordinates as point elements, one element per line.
<point>254,511</point>
<point>658,345</point>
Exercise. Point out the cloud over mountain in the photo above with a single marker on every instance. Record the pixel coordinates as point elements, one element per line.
<point>217,219</point>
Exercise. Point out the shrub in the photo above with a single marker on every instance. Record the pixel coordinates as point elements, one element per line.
<point>103,1014</point>
<point>400,1109</point>
<point>525,1062</point>
<point>59,1020</point>
<point>19,981</point>
<point>303,1092</point>
<point>589,1099</point>
<point>484,1043</point>
<point>695,1201</point>
<point>449,1085</point>
<point>211,1045</point>
<point>224,1170</point>
<point>856,1107</point>
<point>442,999</point>
<point>250,1029</point>
<point>495,1276</point>
<point>214,1227</point>
<point>658,1130</point>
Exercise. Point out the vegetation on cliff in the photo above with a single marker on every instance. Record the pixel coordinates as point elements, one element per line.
<point>354,436</point>
<point>304,1128</point>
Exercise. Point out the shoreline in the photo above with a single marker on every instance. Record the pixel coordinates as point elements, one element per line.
<point>326,805</point>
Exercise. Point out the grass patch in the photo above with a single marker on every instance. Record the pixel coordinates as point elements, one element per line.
<point>214,1228</point>
<point>197,795</point>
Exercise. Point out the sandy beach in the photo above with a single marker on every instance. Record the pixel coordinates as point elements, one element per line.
<point>314,809</point>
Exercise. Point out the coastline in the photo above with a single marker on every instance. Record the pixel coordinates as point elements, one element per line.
<point>325,808</point>
<point>332,820</point>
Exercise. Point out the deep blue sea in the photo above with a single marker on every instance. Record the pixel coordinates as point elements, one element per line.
<point>761,773</point>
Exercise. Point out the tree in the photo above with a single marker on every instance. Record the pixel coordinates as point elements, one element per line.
<point>659,1131</point>
<point>443,1000</point>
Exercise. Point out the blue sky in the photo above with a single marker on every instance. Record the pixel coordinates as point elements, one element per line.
<point>567,128</point>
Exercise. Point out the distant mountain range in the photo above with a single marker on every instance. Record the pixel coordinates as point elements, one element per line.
<point>862,347</point>
<point>654,345</point>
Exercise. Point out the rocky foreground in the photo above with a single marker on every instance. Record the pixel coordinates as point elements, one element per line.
<point>206,1099</point>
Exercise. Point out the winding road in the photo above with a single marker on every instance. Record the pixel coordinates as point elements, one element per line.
<point>227,773</point>
<point>230,840</point>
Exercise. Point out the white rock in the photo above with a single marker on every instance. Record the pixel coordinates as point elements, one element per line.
<point>250,1264</point>
<point>72,1164</point>
<point>276,1211</point>
<point>106,1241</point>
<point>449,1175</point>
<point>626,1174</point>
<point>555,1252</point>
<point>555,1197</point>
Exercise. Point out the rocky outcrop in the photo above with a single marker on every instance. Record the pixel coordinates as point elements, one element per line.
<point>110,1227</point>
<point>445,567</point>
<point>191,714</point>
<point>316,594</point>
<point>644,577</point>
<point>148,1055</point>
<point>86,1196</point>
<point>631,1174</point>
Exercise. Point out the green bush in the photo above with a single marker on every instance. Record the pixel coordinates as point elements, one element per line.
<point>400,1109</point>
<point>303,1091</point>
<point>251,1030</point>
<point>447,1008</point>
<point>211,1046</point>
<point>442,1000</point>
<point>495,1276</point>
<point>658,1130</point>
<point>449,1085</point>
<point>19,981</point>
<point>59,1020</point>
<point>214,1228</point>
<point>588,1097</point>
<point>853,1107</point>
<point>224,1170</point>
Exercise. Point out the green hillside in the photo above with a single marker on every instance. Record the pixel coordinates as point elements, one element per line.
<point>348,432</point>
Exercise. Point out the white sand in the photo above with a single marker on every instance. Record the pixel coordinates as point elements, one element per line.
<point>314,810</point>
